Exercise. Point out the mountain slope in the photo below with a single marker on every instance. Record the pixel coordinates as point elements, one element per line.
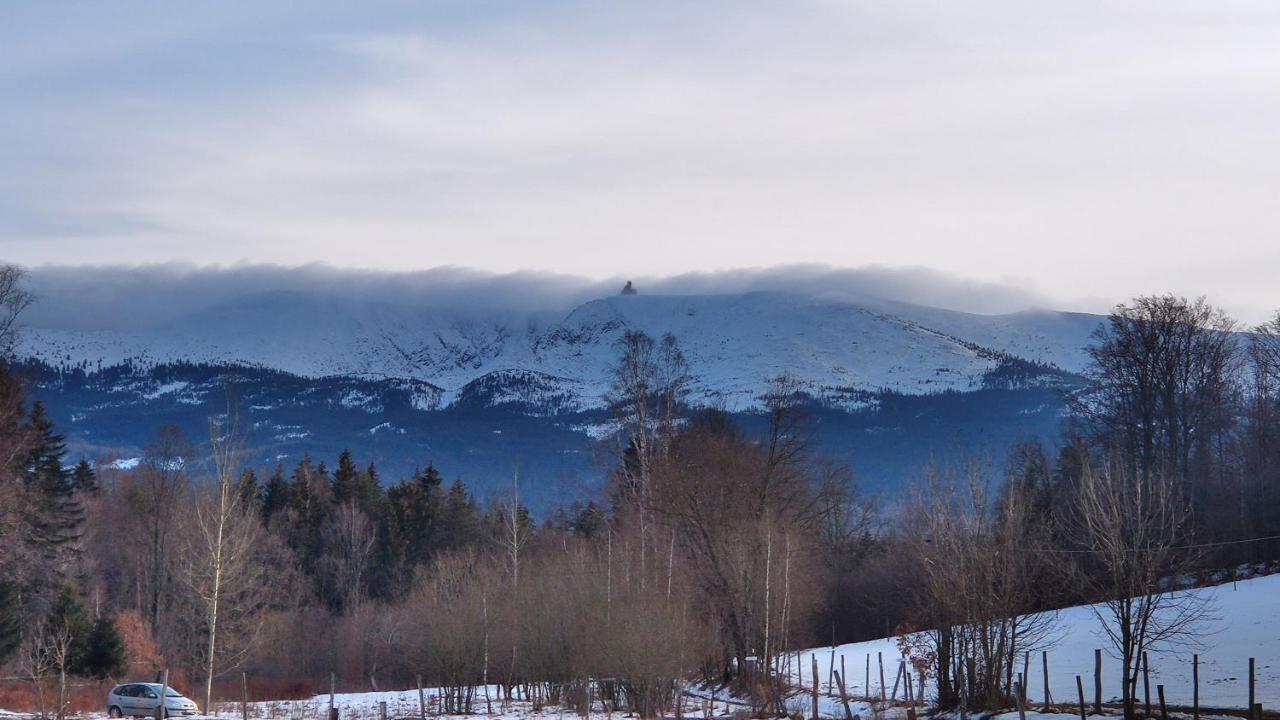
<point>476,393</point>
<point>734,343</point>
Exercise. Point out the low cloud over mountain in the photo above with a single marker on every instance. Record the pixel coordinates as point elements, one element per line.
<point>137,297</point>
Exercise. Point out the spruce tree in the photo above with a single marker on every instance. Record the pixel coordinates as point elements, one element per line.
<point>10,620</point>
<point>461,518</point>
<point>370,491</point>
<point>57,514</point>
<point>249,489</point>
<point>84,478</point>
<point>68,616</point>
<point>309,506</point>
<point>409,533</point>
<point>275,496</point>
<point>345,479</point>
<point>104,650</point>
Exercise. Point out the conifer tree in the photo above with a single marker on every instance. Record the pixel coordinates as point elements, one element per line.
<point>249,489</point>
<point>57,514</point>
<point>275,495</point>
<point>309,505</point>
<point>68,618</point>
<point>10,620</point>
<point>104,654</point>
<point>84,478</point>
<point>67,633</point>
<point>370,491</point>
<point>346,479</point>
<point>461,519</point>
<point>410,531</point>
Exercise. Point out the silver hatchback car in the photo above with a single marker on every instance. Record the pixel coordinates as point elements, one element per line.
<point>143,700</point>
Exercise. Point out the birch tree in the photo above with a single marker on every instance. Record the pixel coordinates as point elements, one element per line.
<point>220,566</point>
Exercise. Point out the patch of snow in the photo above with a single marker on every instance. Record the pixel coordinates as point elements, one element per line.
<point>166,389</point>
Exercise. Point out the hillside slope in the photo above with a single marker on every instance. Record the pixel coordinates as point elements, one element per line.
<point>1244,626</point>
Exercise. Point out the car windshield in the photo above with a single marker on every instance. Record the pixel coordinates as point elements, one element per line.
<point>173,693</point>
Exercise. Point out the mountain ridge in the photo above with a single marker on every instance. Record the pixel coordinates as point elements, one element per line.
<point>888,384</point>
<point>735,343</point>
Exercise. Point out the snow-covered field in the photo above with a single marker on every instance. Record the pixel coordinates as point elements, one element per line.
<point>1246,624</point>
<point>404,705</point>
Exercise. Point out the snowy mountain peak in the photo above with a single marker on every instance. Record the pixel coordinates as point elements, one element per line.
<point>735,343</point>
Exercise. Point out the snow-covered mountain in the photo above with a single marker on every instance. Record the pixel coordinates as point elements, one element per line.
<point>734,343</point>
<point>476,391</point>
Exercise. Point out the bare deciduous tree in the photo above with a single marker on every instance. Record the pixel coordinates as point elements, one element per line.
<point>14,298</point>
<point>979,559</point>
<point>1135,532</point>
<point>36,660</point>
<point>1163,369</point>
<point>219,562</point>
<point>349,538</point>
<point>163,478</point>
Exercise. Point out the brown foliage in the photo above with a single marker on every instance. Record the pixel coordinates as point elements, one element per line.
<point>140,646</point>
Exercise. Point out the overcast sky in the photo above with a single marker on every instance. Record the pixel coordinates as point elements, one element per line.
<point>1080,152</point>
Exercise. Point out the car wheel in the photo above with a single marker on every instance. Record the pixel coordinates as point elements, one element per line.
<point>114,712</point>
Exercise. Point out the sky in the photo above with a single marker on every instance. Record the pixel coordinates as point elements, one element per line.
<point>1071,154</point>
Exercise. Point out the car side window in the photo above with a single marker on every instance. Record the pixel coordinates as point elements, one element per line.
<point>126,691</point>
<point>149,693</point>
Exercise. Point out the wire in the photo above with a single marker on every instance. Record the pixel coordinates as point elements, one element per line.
<point>1196,546</point>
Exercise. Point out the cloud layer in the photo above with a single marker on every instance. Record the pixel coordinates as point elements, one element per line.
<point>120,297</point>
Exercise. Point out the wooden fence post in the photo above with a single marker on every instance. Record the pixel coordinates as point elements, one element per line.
<point>1022,706</point>
<point>244,697</point>
<point>844,697</point>
<point>422,701</point>
<point>1097,681</point>
<point>866,682</point>
<point>1164,713</point>
<point>163,712</point>
<point>880,659</point>
<point>333,711</point>
<point>902,666</point>
<point>911,700</point>
<point>1195,684</point>
<point>1252,686</point>
<point>831,666</point>
<point>1146,684</point>
<point>1080,692</point>
<point>1044,663</point>
<point>1026,674</point>
<point>382,710</point>
<point>815,686</point>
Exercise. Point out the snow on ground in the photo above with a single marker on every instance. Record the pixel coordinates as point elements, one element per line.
<point>404,705</point>
<point>1246,624</point>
